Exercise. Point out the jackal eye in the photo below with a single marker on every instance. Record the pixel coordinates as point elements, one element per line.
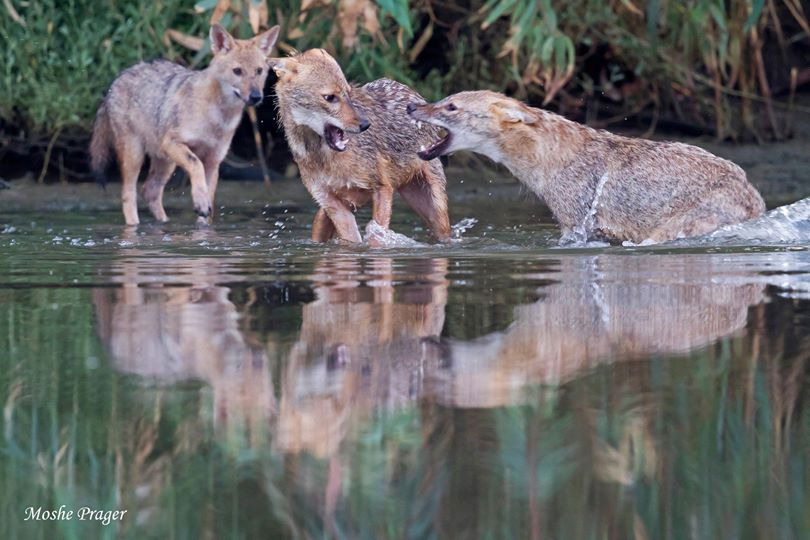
<point>451,107</point>
<point>258,71</point>
<point>237,71</point>
<point>331,98</point>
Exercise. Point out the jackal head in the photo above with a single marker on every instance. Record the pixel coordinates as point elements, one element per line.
<point>312,87</point>
<point>472,121</point>
<point>240,65</point>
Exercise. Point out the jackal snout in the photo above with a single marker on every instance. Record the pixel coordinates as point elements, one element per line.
<point>255,97</point>
<point>472,120</point>
<point>353,121</point>
<point>432,114</point>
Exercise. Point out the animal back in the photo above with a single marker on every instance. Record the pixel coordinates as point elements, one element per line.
<point>145,92</point>
<point>384,103</point>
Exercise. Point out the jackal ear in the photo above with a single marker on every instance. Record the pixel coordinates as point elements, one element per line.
<point>221,40</point>
<point>267,39</point>
<point>515,112</point>
<point>284,67</point>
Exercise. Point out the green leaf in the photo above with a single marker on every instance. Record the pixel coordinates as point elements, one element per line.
<point>398,9</point>
<point>204,5</point>
<point>718,16</point>
<point>652,20</point>
<point>549,15</point>
<point>560,49</point>
<point>524,23</point>
<point>500,9</point>
<point>756,11</point>
<point>547,50</point>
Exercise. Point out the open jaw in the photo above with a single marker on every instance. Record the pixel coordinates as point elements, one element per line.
<point>439,148</point>
<point>335,137</point>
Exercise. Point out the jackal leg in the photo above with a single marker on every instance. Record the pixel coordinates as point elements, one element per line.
<point>426,196</point>
<point>211,164</point>
<point>182,155</point>
<point>130,158</point>
<point>212,179</point>
<point>341,217</point>
<point>382,199</point>
<point>159,173</point>
<point>322,227</point>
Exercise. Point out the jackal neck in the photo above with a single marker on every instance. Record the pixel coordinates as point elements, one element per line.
<point>537,153</point>
<point>308,148</point>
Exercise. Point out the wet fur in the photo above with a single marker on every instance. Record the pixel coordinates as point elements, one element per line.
<point>376,162</point>
<point>651,191</point>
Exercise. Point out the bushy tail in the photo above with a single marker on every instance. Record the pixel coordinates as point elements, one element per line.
<point>100,145</point>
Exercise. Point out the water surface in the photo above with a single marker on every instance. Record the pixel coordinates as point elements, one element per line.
<point>242,382</point>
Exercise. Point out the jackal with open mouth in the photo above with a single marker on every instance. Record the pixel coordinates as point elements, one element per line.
<point>597,184</point>
<point>357,144</point>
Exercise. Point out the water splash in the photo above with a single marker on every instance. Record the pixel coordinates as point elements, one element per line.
<point>579,235</point>
<point>784,225</point>
<point>463,226</point>
<point>380,237</point>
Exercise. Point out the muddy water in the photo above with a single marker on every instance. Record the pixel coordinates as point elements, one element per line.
<point>241,382</point>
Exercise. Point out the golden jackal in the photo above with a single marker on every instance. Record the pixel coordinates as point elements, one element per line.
<point>179,117</point>
<point>597,184</point>
<point>319,108</point>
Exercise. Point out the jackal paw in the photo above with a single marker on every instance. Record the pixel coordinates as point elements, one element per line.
<point>202,202</point>
<point>203,210</point>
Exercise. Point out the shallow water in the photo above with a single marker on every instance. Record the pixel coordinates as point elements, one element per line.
<point>239,381</point>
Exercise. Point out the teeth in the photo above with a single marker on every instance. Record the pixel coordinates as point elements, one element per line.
<point>422,148</point>
<point>419,125</point>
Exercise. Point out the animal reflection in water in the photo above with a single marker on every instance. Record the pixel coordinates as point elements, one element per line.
<point>362,345</point>
<point>171,321</point>
<point>603,309</point>
<point>370,339</point>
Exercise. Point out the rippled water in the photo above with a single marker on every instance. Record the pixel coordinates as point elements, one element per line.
<point>240,381</point>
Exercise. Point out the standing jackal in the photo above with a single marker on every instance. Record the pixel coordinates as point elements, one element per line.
<point>355,145</point>
<point>179,117</point>
<point>596,184</point>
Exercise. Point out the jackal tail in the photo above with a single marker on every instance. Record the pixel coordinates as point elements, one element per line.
<point>100,145</point>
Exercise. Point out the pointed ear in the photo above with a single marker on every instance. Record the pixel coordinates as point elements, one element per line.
<point>221,40</point>
<point>514,111</point>
<point>285,68</point>
<point>267,39</point>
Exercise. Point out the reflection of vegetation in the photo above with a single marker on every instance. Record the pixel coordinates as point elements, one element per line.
<point>706,63</point>
<point>714,445</point>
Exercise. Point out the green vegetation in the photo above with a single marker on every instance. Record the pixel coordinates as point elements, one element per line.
<point>63,55</point>
<point>706,64</point>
